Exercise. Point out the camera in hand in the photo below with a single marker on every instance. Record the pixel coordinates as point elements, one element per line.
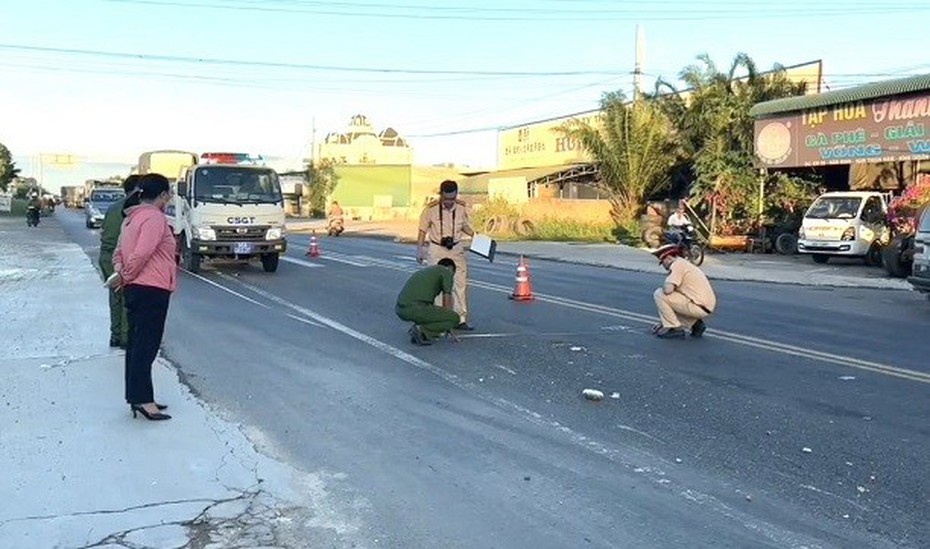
<point>447,242</point>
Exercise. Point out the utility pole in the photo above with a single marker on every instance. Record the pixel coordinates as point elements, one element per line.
<point>638,66</point>
<point>313,141</point>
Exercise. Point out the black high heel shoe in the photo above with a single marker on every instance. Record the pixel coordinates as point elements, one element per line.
<point>151,417</point>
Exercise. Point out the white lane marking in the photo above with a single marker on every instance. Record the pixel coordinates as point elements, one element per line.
<point>526,334</point>
<point>306,320</point>
<point>340,259</point>
<point>657,476</point>
<point>225,289</point>
<point>301,262</point>
<point>638,432</point>
<point>385,263</point>
<point>506,369</point>
<point>749,341</point>
<point>813,488</point>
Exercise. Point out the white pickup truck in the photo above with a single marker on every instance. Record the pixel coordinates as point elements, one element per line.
<point>845,224</point>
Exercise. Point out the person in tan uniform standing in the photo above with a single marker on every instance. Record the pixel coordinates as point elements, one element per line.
<point>686,298</point>
<point>445,223</point>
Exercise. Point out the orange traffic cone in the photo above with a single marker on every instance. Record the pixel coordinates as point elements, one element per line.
<point>314,250</point>
<point>523,291</point>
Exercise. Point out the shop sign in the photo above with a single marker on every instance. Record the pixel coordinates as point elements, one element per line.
<point>882,130</point>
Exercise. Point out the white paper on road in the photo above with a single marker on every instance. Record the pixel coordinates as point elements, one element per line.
<point>484,245</point>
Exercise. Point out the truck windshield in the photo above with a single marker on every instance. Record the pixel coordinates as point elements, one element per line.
<point>236,185</point>
<point>834,207</point>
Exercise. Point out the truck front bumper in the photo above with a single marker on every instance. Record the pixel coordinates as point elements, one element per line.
<point>833,247</point>
<point>222,248</point>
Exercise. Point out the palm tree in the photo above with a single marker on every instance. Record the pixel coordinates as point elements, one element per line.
<point>633,149</point>
<point>714,129</point>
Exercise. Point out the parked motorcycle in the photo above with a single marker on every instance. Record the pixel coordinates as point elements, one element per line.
<point>689,245</point>
<point>32,216</point>
<point>335,227</point>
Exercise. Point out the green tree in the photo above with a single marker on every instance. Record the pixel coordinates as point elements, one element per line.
<point>8,169</point>
<point>633,148</point>
<point>321,181</point>
<point>715,132</point>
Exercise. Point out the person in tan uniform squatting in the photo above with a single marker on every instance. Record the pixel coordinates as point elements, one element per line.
<point>445,222</point>
<point>686,298</point>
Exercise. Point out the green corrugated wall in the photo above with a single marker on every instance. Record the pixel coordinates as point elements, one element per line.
<point>358,185</point>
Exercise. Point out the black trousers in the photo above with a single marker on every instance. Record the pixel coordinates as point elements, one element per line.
<point>147,309</point>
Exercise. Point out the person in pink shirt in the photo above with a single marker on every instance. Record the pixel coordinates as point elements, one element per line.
<point>146,271</point>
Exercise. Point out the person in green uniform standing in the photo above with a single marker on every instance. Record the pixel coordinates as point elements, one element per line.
<point>415,302</point>
<point>109,237</point>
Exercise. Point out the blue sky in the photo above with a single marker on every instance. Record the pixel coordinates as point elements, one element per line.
<point>269,71</point>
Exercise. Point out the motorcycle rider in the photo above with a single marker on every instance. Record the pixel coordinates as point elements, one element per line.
<point>33,209</point>
<point>679,224</point>
<point>335,218</point>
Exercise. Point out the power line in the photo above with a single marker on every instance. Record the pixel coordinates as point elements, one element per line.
<point>639,13</point>
<point>296,66</point>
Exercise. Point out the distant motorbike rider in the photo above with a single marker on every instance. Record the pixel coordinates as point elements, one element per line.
<point>336,221</point>
<point>33,208</point>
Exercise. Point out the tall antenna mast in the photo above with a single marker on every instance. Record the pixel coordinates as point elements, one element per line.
<point>638,67</point>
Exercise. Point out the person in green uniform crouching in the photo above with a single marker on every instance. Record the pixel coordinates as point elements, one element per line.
<point>109,236</point>
<point>415,302</point>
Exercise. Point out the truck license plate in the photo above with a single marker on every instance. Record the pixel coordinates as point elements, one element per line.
<point>242,248</point>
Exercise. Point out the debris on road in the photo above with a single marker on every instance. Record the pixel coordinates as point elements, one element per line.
<point>806,450</point>
<point>615,396</point>
<point>847,378</point>
<point>593,394</point>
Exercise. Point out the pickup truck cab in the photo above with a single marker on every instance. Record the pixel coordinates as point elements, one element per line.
<point>845,224</point>
<point>920,272</point>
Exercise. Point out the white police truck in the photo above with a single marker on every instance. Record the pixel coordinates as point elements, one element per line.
<point>228,207</point>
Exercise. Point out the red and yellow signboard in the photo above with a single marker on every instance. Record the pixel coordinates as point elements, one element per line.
<point>881,130</point>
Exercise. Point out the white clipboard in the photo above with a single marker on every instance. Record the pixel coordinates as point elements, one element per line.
<point>484,245</point>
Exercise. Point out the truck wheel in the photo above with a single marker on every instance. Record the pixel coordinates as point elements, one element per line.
<point>270,262</point>
<point>190,259</point>
<point>897,264</point>
<point>820,258</point>
<point>873,257</point>
<point>786,244</point>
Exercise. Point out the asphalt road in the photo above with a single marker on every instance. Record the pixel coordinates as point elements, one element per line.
<point>800,420</point>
